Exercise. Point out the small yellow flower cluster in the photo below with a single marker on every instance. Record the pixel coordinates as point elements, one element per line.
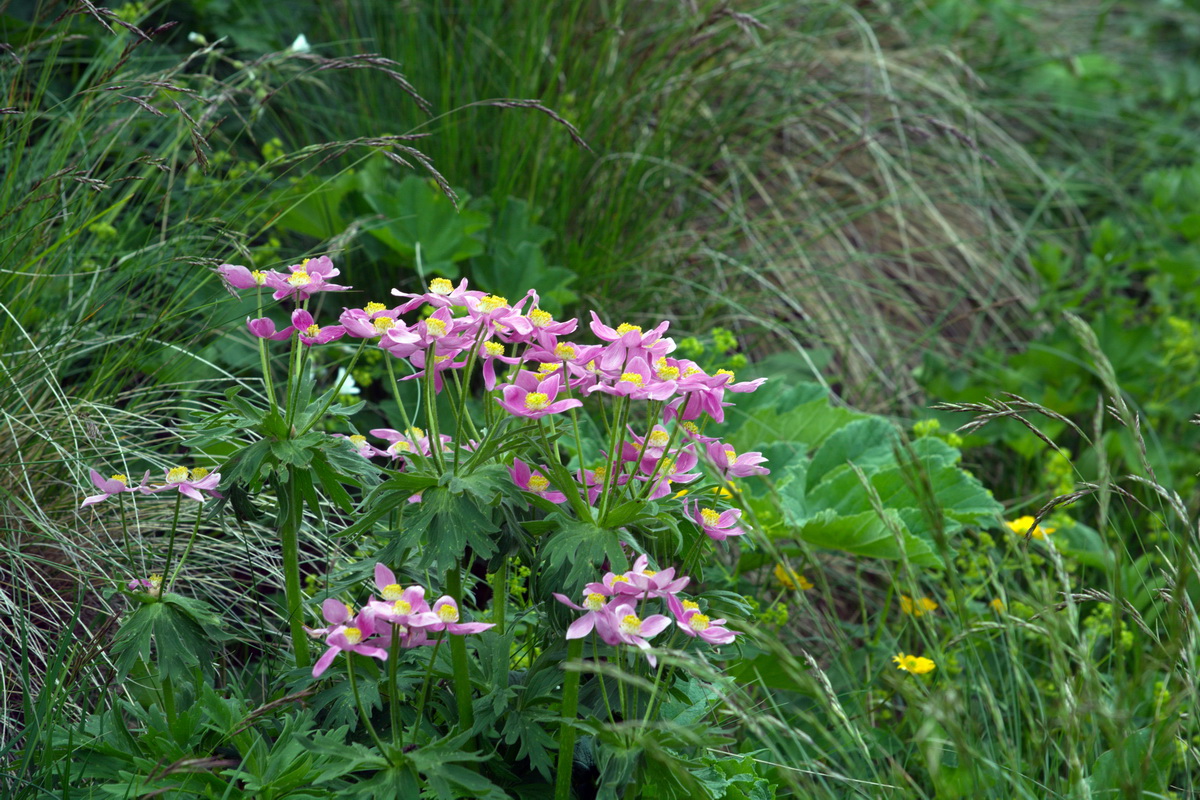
<point>917,665</point>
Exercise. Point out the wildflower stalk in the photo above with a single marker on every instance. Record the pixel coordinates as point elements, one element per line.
<point>266,365</point>
<point>125,530</point>
<point>500,596</point>
<point>171,543</point>
<point>408,426</point>
<point>394,695</point>
<point>362,710</point>
<point>289,536</point>
<point>458,657</point>
<point>334,395</point>
<point>566,731</point>
<point>431,415</point>
<point>425,687</point>
<point>187,550</point>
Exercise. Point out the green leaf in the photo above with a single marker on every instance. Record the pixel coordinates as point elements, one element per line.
<point>871,435</point>
<point>584,546</point>
<point>867,534</point>
<point>418,215</point>
<point>313,205</point>
<point>441,527</point>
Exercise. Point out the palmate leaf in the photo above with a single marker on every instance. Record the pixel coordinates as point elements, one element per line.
<point>180,632</point>
<point>441,528</point>
<point>584,546</point>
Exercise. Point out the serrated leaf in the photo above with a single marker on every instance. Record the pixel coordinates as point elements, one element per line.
<point>584,546</point>
<point>868,442</point>
<point>417,214</point>
<point>867,534</point>
<point>441,528</point>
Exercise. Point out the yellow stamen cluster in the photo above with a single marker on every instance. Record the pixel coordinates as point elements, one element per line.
<point>440,359</point>
<point>591,367</point>
<point>199,473</point>
<point>728,372</point>
<point>546,368</point>
<point>402,607</point>
<point>353,635</point>
<point>299,278</point>
<point>691,427</point>
<point>177,475</point>
<point>259,277</point>
<point>121,478</point>
<point>710,517</point>
<point>537,483</point>
<point>632,377</point>
<point>730,456</point>
<point>415,433</point>
<point>658,438</point>
<point>493,348</point>
<point>668,467</point>
<point>435,326</point>
<point>313,330</point>
<point>631,625</point>
<point>536,401</point>
<point>693,371</point>
<point>374,308</point>
<point>667,373</point>
<point>448,613</point>
<point>400,446</point>
<point>620,579</point>
<point>625,328</point>
<point>917,608</point>
<point>649,573</point>
<point>564,351</point>
<point>539,318</point>
<point>491,302</point>
<point>358,440</point>
<point>392,591</point>
<point>691,605</point>
<point>600,472</point>
<point>917,665</point>
<point>441,286</point>
<point>699,622</point>
<point>383,323</point>
<point>594,601</point>
<point>155,582</point>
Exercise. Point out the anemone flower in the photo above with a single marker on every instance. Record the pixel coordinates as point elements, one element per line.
<point>697,625</point>
<point>117,484</point>
<point>189,483</point>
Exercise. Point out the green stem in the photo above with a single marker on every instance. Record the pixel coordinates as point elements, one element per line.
<point>125,533</point>
<point>191,541</point>
<point>431,415</point>
<point>171,545</point>
<point>362,710</point>
<point>408,427</point>
<point>425,689</point>
<point>566,731</point>
<point>458,656</point>
<point>394,695</point>
<point>266,365</point>
<point>500,596</point>
<point>289,536</point>
<point>333,396</point>
<point>168,694</point>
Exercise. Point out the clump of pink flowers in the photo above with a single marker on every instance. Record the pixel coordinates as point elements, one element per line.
<point>614,610</point>
<point>400,614</point>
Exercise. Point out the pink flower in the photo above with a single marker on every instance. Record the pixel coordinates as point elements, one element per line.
<point>264,328</point>
<point>189,483</point>
<point>530,398</point>
<point>305,279</point>
<point>534,482</point>
<point>352,638</point>
<point>639,382</point>
<point>447,611</point>
<point>730,464</point>
<point>238,277</point>
<point>361,445</point>
<point>623,626</point>
<point>593,604</point>
<point>717,525</point>
<point>401,340</point>
<point>117,484</point>
<point>311,333</point>
<point>370,322</point>
<point>627,341</point>
<point>442,294</point>
<point>693,623</point>
<point>649,583</point>
<point>671,470</point>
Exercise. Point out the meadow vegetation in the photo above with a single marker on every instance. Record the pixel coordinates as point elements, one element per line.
<point>664,400</point>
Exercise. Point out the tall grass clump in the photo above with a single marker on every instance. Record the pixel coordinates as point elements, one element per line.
<point>127,170</point>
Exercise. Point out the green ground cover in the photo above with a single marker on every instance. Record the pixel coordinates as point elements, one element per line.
<point>956,237</point>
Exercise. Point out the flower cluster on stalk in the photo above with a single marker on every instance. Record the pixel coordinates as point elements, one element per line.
<point>612,606</point>
<point>192,483</point>
<point>401,615</point>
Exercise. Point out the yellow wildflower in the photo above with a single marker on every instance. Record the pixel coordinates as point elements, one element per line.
<point>918,608</point>
<point>1021,526</point>
<point>917,665</point>
<point>791,579</point>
